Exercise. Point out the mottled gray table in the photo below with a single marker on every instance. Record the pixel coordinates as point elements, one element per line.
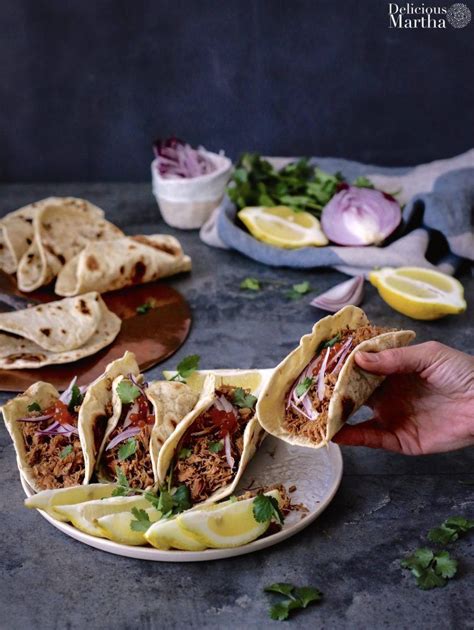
<point>384,506</point>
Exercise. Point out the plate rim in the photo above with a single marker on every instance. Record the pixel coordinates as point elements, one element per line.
<point>140,552</point>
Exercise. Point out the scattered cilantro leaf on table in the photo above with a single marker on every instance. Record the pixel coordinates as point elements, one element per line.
<point>67,450</point>
<point>141,522</point>
<point>265,508</point>
<point>297,597</point>
<point>284,588</point>
<point>127,391</point>
<point>186,367</point>
<point>34,407</point>
<point>250,284</point>
<point>298,290</point>
<point>450,530</point>
<point>242,400</point>
<point>430,569</point>
<point>127,449</point>
<point>303,387</point>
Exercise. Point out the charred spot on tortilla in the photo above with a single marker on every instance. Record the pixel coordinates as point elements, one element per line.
<point>61,258</point>
<point>63,331</point>
<point>45,331</point>
<point>92,263</point>
<point>138,272</point>
<point>122,270</point>
<point>28,240</point>
<point>347,407</point>
<point>163,247</point>
<point>83,308</point>
<point>24,356</point>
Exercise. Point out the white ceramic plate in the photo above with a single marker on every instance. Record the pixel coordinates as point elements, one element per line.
<point>315,473</point>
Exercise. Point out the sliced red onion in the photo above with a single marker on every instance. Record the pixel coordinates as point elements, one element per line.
<point>301,411</point>
<point>177,159</point>
<point>141,386</point>
<point>133,409</point>
<point>340,363</point>
<point>67,393</point>
<point>348,292</point>
<point>59,429</point>
<point>222,404</point>
<point>309,409</point>
<point>360,216</point>
<point>228,451</point>
<point>322,371</point>
<point>37,419</point>
<point>128,433</point>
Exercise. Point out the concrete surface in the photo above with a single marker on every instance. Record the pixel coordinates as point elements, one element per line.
<point>382,511</point>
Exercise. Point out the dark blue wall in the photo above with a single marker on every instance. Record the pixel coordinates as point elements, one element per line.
<point>86,84</point>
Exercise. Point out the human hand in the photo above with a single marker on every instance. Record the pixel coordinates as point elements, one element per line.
<point>425,405</point>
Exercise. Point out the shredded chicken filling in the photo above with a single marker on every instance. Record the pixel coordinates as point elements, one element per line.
<point>201,462</point>
<point>296,420</point>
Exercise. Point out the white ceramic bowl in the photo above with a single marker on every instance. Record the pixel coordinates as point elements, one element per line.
<point>188,203</point>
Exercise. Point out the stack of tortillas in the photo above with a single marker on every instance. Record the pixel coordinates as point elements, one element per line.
<point>56,332</point>
<point>70,238</point>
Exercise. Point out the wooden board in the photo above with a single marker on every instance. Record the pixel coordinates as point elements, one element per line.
<point>152,337</point>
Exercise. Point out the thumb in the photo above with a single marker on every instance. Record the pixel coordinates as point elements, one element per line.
<point>400,360</point>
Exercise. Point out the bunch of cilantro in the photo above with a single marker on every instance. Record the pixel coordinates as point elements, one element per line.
<point>298,185</point>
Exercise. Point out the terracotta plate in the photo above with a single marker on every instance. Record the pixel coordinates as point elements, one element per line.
<point>153,336</point>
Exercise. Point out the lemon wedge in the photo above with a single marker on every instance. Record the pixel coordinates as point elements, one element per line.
<point>283,227</point>
<point>47,500</point>
<point>168,534</point>
<point>84,516</point>
<point>419,293</point>
<point>117,527</point>
<point>232,524</point>
<point>248,379</point>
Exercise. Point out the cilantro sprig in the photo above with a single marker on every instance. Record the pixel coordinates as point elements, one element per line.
<point>242,400</point>
<point>266,508</point>
<point>450,530</point>
<point>127,391</point>
<point>430,569</point>
<point>127,449</point>
<point>295,598</point>
<point>141,522</point>
<point>186,367</point>
<point>304,386</point>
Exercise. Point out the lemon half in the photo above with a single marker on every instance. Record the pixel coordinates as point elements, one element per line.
<point>283,227</point>
<point>419,293</point>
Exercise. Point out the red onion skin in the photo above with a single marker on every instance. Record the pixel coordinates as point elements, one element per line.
<point>360,216</point>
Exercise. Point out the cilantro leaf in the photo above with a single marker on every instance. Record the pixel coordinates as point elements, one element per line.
<point>122,487</point>
<point>280,587</point>
<point>242,400</point>
<point>442,535</point>
<point>265,508</point>
<point>460,523</point>
<point>307,594</point>
<point>165,502</point>
<point>250,284</point>
<point>445,566</point>
<point>153,499</point>
<point>76,398</point>
<point>419,560</point>
<point>216,447</point>
<point>362,182</point>
<point>143,308</point>
<point>429,579</point>
<point>181,499</point>
<point>186,367</point>
<point>141,522</point>
<point>34,407</point>
<point>127,449</point>
<point>127,391</point>
<point>329,343</point>
<point>298,290</point>
<point>67,450</point>
<point>184,453</point>
<point>281,610</point>
<point>303,387</point>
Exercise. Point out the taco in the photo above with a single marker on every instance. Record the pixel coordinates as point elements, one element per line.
<point>144,415</point>
<point>315,389</point>
<point>55,435</point>
<point>211,447</point>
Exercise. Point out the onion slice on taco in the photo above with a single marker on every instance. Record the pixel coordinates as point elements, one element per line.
<point>210,449</point>
<point>315,389</point>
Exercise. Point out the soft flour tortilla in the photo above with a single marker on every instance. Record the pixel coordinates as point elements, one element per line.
<point>24,353</point>
<point>93,409</point>
<point>253,436</point>
<point>353,387</point>
<point>171,403</point>
<point>62,227</point>
<point>45,395</point>
<point>122,262</point>
<point>16,235</point>
<point>57,326</point>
